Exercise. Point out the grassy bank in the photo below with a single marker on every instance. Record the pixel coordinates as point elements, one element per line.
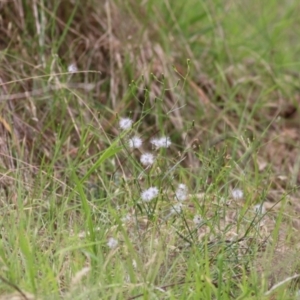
<point>149,150</point>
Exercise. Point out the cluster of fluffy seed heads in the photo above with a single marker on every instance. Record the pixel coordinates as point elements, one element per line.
<point>162,142</point>
<point>147,159</point>
<point>181,192</point>
<point>149,194</point>
<point>180,195</point>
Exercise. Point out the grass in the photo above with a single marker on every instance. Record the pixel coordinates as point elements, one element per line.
<point>220,80</point>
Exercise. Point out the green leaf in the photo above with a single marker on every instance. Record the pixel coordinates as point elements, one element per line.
<point>111,151</point>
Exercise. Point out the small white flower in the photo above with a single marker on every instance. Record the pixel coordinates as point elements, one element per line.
<point>135,142</point>
<point>237,194</point>
<point>112,243</point>
<point>147,159</point>
<point>181,192</point>
<point>155,142</point>
<point>197,220</point>
<point>149,194</point>
<point>182,186</point>
<point>125,123</point>
<point>177,208</point>
<point>259,209</point>
<point>72,68</point>
<point>163,142</point>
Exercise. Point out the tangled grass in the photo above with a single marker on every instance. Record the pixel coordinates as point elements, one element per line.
<point>149,150</point>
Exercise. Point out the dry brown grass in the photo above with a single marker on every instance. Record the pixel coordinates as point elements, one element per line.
<point>113,42</point>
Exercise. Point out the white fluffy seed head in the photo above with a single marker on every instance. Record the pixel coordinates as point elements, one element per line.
<point>147,159</point>
<point>162,142</point>
<point>149,194</point>
<point>181,192</point>
<point>112,243</point>
<point>182,186</point>
<point>125,123</point>
<point>135,142</point>
<point>72,68</point>
<point>237,194</point>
